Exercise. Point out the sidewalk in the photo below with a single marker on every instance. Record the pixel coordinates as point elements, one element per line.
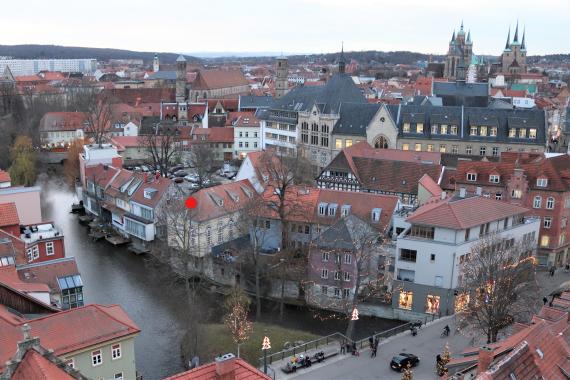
<point>426,345</point>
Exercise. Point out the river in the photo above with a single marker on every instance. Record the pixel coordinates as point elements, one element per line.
<point>114,275</point>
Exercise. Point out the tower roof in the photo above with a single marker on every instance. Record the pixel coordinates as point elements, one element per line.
<point>341,60</point>
<point>516,38</point>
<point>461,30</point>
<point>523,45</point>
<point>507,45</point>
<point>469,37</point>
<point>180,58</point>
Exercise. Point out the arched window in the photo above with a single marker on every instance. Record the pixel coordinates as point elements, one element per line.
<point>550,203</point>
<point>537,201</point>
<point>314,127</point>
<point>381,143</point>
<point>305,126</point>
<point>325,128</point>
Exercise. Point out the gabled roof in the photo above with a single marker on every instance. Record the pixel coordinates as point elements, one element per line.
<point>216,201</point>
<point>8,276</point>
<point>214,79</point>
<point>8,214</point>
<point>62,121</point>
<point>355,118</point>
<point>160,184</point>
<point>349,232</point>
<point>461,213</point>
<point>242,371</point>
<point>48,272</point>
<point>219,135</point>
<point>37,367</point>
<point>430,185</point>
<point>100,174</point>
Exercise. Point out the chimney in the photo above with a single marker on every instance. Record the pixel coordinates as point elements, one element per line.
<point>478,190</point>
<point>462,192</point>
<point>486,356</point>
<point>225,367</point>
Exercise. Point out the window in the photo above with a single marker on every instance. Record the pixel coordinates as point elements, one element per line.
<point>116,351</point>
<point>314,140</point>
<point>422,232</point>
<point>348,143</point>
<point>516,193</point>
<point>345,293</point>
<point>209,235</point>
<point>96,358</point>
<point>337,292</point>
<point>432,304</point>
<point>443,129</point>
<point>408,255</point>
<point>241,134</point>
<point>473,131</point>
<point>544,241</point>
<point>482,151</point>
<point>468,149</point>
<point>512,132</point>
<point>537,201</point>
<point>494,178</point>
<point>541,182</point>
<point>376,215</point>
<point>33,253</point>
<point>461,302</point>
<point>522,133</point>
<point>325,273</point>
<point>498,196</point>
<point>532,133</point>
<point>346,276</point>
<point>49,248</point>
<point>418,147</point>
<point>119,376</point>
<point>434,129</point>
<point>406,127</point>
<point>455,149</point>
<point>493,131</point>
<point>336,275</point>
<point>547,222</point>
<point>430,148</point>
<point>220,232</point>
<point>325,141</point>
<point>325,256</point>
<point>495,151</point>
<point>323,209</point>
<point>324,290</point>
<point>420,128</point>
<point>550,203</point>
<point>332,210</point>
<point>347,258</point>
<point>442,148</point>
<point>432,257</point>
<point>472,177</point>
<point>483,131</point>
<point>453,129</point>
<point>467,232</point>
<point>338,143</point>
<point>405,146</point>
<point>70,363</point>
<point>405,300</point>
<point>247,144</point>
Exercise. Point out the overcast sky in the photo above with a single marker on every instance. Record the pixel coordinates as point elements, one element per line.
<point>292,26</point>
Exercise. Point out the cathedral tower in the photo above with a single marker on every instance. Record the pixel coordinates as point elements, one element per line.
<point>155,64</point>
<point>513,58</point>
<point>460,50</point>
<point>181,79</point>
<point>281,73</point>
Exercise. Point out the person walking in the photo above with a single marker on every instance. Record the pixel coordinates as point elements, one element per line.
<point>342,347</point>
<point>545,300</point>
<point>371,341</point>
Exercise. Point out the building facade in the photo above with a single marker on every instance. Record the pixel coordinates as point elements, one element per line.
<point>459,54</point>
<point>513,58</point>
<point>20,67</point>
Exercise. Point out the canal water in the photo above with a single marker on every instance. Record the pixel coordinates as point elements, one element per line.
<point>114,275</point>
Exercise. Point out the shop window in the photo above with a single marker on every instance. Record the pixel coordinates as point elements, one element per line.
<point>432,304</point>
<point>405,300</point>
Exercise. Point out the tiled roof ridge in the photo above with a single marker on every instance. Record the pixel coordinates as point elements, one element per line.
<point>104,309</point>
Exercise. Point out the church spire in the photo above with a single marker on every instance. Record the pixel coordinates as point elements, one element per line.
<point>508,39</point>
<point>453,36</point>
<point>516,39</point>
<point>469,36</point>
<point>523,45</point>
<point>341,61</point>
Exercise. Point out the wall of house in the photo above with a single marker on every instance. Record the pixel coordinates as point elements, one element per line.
<point>253,141</point>
<point>27,201</point>
<point>461,146</point>
<point>109,367</point>
<point>382,125</point>
<point>59,250</point>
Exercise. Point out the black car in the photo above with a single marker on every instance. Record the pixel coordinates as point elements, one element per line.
<point>401,361</point>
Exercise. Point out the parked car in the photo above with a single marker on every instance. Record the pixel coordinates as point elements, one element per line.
<point>191,177</point>
<point>402,360</point>
<point>174,169</point>
<point>145,168</point>
<point>178,180</point>
<point>180,174</point>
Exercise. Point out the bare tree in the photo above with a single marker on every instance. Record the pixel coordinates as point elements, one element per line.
<point>498,278</point>
<point>202,160</point>
<point>162,147</point>
<point>99,116</point>
<point>71,164</point>
<point>236,319</point>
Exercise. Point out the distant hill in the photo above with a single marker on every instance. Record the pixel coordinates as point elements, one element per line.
<point>70,52</point>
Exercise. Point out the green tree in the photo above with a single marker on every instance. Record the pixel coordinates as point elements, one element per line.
<point>23,169</point>
<point>237,305</point>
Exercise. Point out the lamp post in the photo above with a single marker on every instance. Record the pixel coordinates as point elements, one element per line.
<point>266,345</point>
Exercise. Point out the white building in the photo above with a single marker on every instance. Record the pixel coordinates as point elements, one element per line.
<point>59,129</point>
<point>430,252</point>
<point>33,66</point>
<point>246,135</point>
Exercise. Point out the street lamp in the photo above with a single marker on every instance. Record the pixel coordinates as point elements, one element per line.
<point>266,345</point>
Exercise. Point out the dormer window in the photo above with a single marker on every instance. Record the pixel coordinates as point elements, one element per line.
<point>532,133</point>
<point>332,209</point>
<point>345,210</point>
<point>494,178</point>
<point>406,128</point>
<point>473,131</point>
<point>542,182</point>
<point>472,177</point>
<point>149,193</point>
<point>322,208</point>
<point>376,212</point>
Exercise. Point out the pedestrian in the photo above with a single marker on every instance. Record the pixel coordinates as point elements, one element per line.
<point>371,341</point>
<point>545,300</point>
<point>343,347</point>
<point>373,354</point>
<point>552,271</point>
<point>567,268</point>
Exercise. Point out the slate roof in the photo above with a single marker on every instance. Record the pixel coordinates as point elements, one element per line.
<point>348,233</point>
<point>252,101</point>
<point>461,213</point>
<point>462,93</point>
<point>340,88</point>
<point>355,118</point>
<point>163,75</point>
<point>472,116</point>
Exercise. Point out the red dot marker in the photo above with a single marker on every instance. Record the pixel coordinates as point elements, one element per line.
<point>191,202</point>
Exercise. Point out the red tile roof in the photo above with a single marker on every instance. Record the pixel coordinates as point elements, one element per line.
<point>242,371</point>
<point>242,119</point>
<point>35,366</point>
<point>70,330</point>
<point>4,176</point>
<point>214,79</point>
<point>216,135</point>
<point>47,272</point>
<point>62,121</point>
<point>430,185</point>
<point>8,276</point>
<point>234,196</point>
<point>461,213</point>
<point>160,184</point>
<point>123,142</point>
<point>100,174</point>
<point>8,214</point>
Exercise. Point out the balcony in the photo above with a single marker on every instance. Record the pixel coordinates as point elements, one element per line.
<point>32,234</point>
